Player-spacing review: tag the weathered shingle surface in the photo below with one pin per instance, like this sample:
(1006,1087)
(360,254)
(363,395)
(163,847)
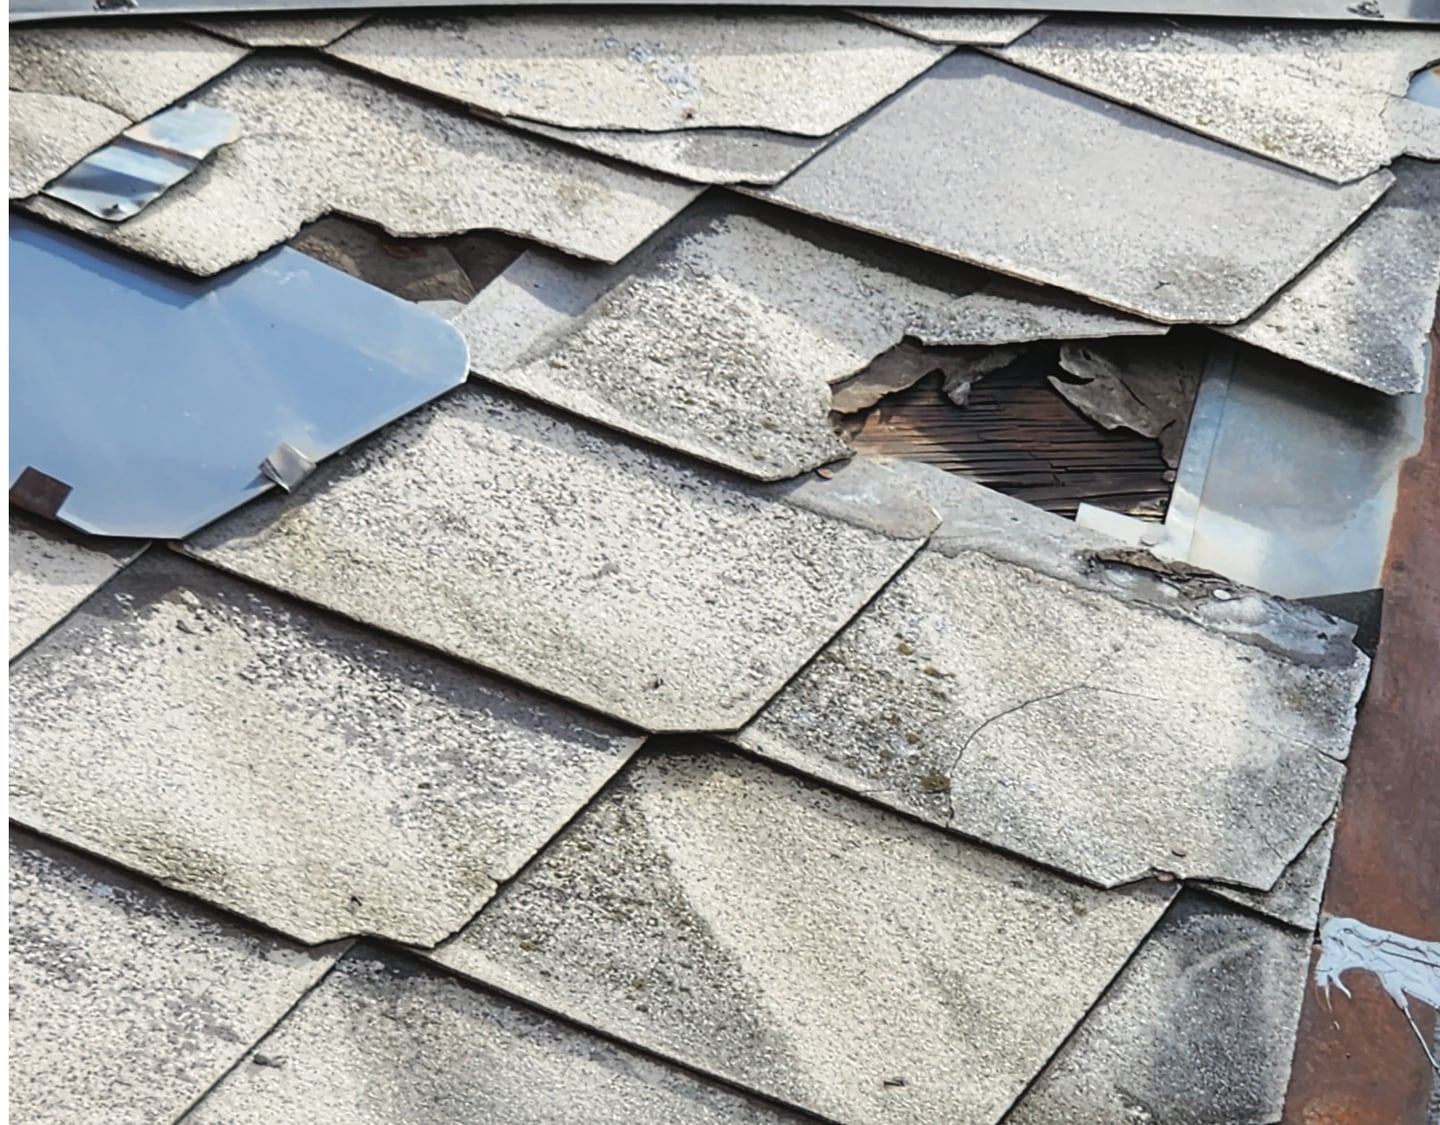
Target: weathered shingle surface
(671,763)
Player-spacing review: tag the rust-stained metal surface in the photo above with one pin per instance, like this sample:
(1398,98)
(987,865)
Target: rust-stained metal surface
(1018,436)
(1358,1062)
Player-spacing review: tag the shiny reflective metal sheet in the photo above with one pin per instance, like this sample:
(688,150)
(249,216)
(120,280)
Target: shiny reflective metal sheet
(156,397)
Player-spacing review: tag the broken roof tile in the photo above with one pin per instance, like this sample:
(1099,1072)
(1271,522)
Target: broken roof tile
(151,449)
(1076,728)
(804,944)
(974,29)
(707,156)
(133,71)
(51,132)
(800,73)
(416,269)
(128,1002)
(1200,1027)
(51,573)
(648,588)
(1329,102)
(385,1040)
(270,31)
(338,784)
(722,335)
(1295,898)
(1152,219)
(1364,309)
(421,170)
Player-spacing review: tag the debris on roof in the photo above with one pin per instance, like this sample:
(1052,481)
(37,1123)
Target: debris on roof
(131,1001)
(1329,103)
(158,448)
(426,171)
(51,132)
(137,167)
(1148,220)
(804,945)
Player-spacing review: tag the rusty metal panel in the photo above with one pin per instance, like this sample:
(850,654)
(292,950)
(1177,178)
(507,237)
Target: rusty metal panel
(1357,1061)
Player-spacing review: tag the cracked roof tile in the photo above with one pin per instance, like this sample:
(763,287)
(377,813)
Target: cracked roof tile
(1327,102)
(1076,728)
(1200,1027)
(385,1040)
(133,71)
(803,944)
(52,572)
(721,336)
(285,766)
(419,169)
(1295,898)
(1152,219)
(127,1002)
(1363,310)
(654,590)
(800,73)
(51,132)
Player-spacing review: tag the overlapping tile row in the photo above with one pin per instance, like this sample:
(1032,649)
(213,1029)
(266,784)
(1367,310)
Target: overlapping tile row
(722,336)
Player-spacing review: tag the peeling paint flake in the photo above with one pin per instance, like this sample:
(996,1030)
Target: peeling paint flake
(1407,968)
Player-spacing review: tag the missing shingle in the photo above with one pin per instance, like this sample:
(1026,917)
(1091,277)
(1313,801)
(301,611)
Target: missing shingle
(1016,435)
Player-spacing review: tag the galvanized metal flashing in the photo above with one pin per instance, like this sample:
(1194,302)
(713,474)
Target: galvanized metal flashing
(154,398)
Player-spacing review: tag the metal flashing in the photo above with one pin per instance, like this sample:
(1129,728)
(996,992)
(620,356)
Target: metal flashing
(156,442)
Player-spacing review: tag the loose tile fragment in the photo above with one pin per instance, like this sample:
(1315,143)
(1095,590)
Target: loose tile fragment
(123,177)
(267,31)
(384,1040)
(424,170)
(128,1002)
(51,572)
(907,363)
(132,71)
(1075,727)
(285,766)
(1152,219)
(649,588)
(1200,1027)
(707,156)
(50,132)
(1329,102)
(1296,897)
(803,944)
(1363,310)
(805,74)
(1140,385)
(722,335)
(282,350)
(971,29)
(418,270)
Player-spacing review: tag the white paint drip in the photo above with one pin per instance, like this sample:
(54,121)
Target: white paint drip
(1407,968)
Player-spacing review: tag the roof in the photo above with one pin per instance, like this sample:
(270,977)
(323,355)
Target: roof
(506,623)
